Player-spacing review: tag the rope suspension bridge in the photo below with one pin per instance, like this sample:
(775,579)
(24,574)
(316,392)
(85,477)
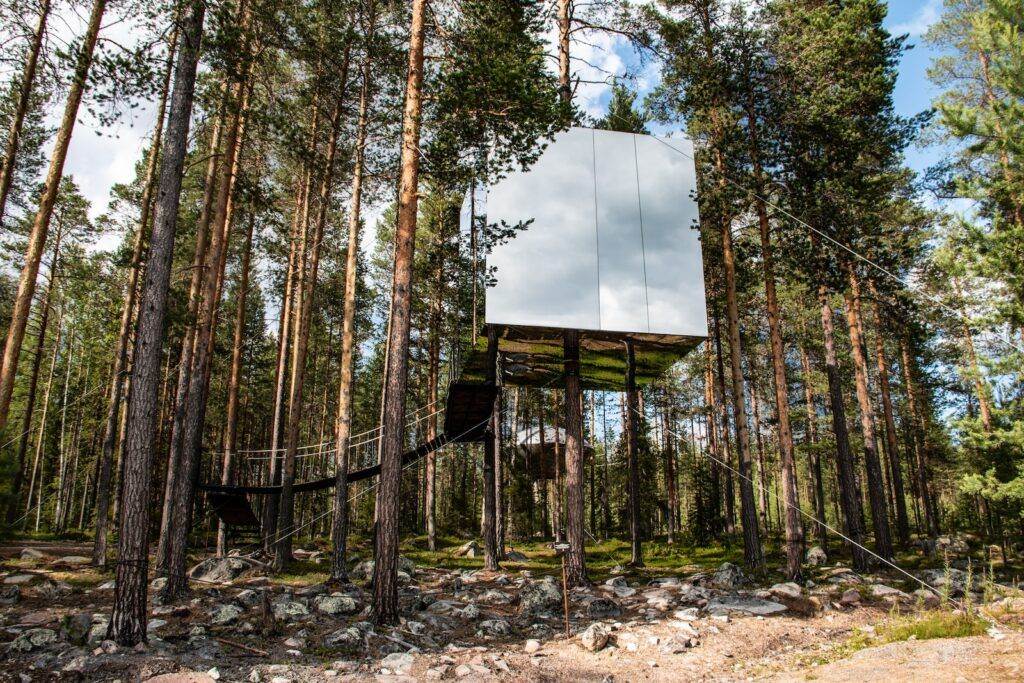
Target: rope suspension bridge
(467,411)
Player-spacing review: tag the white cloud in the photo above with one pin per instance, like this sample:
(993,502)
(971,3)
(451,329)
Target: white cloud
(917,25)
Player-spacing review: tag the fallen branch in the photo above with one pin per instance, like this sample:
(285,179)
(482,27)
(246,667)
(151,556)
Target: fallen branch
(243,646)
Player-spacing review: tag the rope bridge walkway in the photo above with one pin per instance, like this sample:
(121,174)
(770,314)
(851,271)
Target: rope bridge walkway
(466,412)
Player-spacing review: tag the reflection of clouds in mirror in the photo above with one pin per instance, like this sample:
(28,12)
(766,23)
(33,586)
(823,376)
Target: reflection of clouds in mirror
(611,246)
(547,275)
(675,276)
(619,234)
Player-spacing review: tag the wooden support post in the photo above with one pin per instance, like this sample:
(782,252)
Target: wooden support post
(490,453)
(576,562)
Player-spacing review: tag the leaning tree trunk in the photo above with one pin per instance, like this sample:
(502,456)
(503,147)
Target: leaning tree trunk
(876,484)
(128,620)
(103,478)
(385,583)
(28,77)
(33,382)
(848,498)
(206,322)
(188,339)
(41,224)
(575,558)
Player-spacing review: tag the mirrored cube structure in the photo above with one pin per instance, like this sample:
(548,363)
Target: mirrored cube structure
(602,239)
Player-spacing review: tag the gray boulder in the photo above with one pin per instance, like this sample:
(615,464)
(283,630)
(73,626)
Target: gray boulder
(540,597)
(33,639)
(364,570)
(619,587)
(75,627)
(31,554)
(496,627)
(816,556)
(516,556)
(595,637)
(288,610)
(220,569)
(603,608)
(225,614)
(347,639)
(744,604)
(336,604)
(729,576)
(10,595)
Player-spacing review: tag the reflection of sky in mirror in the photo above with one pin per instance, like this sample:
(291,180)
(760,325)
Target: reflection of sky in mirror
(547,274)
(610,246)
(675,276)
(619,235)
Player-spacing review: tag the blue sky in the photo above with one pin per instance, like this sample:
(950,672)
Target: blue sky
(914,92)
(98,161)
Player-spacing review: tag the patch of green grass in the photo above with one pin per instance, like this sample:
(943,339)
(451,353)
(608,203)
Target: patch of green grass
(302,573)
(922,626)
(935,624)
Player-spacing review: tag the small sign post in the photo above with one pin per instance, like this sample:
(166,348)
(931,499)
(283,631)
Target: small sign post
(561,549)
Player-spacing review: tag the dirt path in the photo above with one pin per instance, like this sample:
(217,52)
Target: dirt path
(952,660)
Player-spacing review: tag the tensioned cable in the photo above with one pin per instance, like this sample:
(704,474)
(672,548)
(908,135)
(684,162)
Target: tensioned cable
(367,489)
(838,533)
(882,269)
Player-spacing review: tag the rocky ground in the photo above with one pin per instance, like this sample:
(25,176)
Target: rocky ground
(238,624)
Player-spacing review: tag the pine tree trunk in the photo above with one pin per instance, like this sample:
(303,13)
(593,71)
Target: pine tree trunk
(872,465)
(343,422)
(892,447)
(28,78)
(117,375)
(920,434)
(632,415)
(385,584)
(305,310)
(128,619)
(848,498)
(188,339)
(33,381)
(670,470)
(234,379)
(491,445)
(41,224)
(752,553)
(818,493)
(787,459)
(575,558)
(284,335)
(206,319)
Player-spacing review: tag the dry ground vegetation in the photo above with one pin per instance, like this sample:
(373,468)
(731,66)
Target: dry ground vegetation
(690,615)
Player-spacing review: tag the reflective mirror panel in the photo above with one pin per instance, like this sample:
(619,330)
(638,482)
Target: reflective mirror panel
(675,274)
(607,247)
(620,242)
(547,274)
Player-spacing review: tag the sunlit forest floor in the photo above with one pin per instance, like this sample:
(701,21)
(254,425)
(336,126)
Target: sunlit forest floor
(690,614)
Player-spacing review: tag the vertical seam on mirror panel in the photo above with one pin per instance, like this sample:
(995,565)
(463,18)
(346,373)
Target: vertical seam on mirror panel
(643,246)
(597,231)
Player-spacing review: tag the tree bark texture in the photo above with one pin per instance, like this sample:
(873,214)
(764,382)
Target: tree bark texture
(128,620)
(385,584)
